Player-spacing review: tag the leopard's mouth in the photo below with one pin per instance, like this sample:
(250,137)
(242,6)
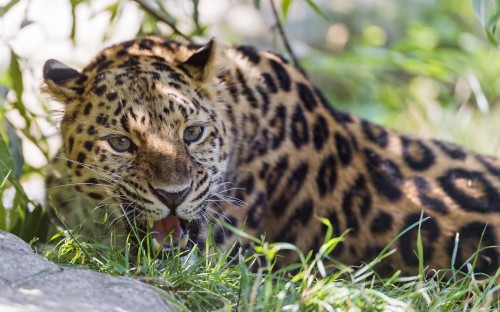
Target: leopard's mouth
(173,233)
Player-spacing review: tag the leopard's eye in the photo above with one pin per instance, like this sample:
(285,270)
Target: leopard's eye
(193,133)
(120,143)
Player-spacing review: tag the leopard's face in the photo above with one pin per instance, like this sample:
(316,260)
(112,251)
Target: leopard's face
(141,135)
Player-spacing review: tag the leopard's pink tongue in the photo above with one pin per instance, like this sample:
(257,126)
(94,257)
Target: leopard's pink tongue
(169,225)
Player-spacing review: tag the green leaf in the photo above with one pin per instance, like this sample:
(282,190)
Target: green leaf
(317,9)
(16,80)
(285,7)
(74,4)
(256,3)
(488,13)
(16,75)
(4,9)
(3,216)
(491,37)
(6,163)
(196,13)
(10,216)
(113,9)
(15,149)
(3,210)
(6,167)
(33,224)
(420,248)
(491,27)
(3,94)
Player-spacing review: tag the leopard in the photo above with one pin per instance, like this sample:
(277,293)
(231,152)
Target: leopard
(180,136)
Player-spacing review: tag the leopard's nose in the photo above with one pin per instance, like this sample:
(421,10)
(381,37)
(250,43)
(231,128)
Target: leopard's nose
(172,199)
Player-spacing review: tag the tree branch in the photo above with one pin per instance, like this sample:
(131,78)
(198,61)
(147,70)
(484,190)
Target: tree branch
(284,38)
(148,8)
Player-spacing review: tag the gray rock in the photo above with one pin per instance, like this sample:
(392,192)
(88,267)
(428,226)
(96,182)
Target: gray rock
(29,282)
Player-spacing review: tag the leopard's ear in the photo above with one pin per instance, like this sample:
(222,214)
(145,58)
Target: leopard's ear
(201,64)
(62,82)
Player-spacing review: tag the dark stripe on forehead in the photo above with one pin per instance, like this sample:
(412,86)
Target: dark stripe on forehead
(124,123)
(119,107)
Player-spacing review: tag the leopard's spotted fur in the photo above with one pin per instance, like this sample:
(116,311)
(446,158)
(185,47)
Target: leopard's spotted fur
(273,142)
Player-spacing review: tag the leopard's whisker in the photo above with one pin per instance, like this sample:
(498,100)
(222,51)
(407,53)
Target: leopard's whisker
(93,169)
(230,199)
(78,183)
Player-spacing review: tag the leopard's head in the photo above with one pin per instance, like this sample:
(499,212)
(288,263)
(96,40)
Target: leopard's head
(142,131)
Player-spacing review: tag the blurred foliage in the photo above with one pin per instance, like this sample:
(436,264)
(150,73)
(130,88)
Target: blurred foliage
(428,76)
(424,67)
(286,4)
(26,219)
(488,12)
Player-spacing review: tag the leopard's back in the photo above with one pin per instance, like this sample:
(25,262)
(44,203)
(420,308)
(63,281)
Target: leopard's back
(301,159)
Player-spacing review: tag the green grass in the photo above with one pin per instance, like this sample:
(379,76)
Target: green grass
(214,280)
(418,82)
